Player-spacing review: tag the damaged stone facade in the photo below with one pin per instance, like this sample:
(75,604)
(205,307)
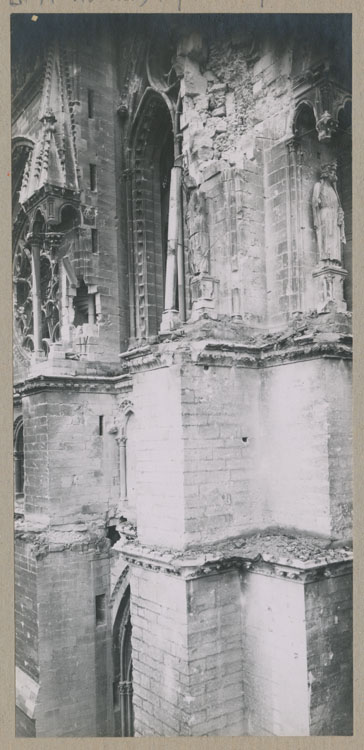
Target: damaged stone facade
(182,375)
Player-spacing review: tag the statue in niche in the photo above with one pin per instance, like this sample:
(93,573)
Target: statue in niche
(328,215)
(199,255)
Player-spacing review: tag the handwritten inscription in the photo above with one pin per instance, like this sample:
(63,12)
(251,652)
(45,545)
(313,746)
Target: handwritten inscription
(135,3)
(44,3)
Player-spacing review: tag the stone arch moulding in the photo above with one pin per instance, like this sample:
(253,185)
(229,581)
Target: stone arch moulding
(155,208)
(304,106)
(122,664)
(118,593)
(127,411)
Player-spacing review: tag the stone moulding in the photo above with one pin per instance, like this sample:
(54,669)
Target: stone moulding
(325,562)
(79,383)
(123,575)
(216,353)
(288,348)
(269,356)
(202,565)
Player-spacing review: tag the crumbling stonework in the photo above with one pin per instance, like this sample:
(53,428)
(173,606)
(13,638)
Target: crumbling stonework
(182,376)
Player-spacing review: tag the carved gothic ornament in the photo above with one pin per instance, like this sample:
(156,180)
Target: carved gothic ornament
(49,294)
(51,171)
(319,90)
(89,214)
(22,294)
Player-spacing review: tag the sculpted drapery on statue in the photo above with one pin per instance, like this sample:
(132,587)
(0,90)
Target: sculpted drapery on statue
(328,215)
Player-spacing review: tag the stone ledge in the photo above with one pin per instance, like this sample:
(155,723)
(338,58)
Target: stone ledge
(301,558)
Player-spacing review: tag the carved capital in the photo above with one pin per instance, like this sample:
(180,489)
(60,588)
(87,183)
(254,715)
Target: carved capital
(33,239)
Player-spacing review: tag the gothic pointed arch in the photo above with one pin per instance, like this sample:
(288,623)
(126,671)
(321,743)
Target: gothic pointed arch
(123,670)
(152,159)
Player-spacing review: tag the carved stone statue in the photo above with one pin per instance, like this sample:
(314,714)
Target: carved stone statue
(199,252)
(328,215)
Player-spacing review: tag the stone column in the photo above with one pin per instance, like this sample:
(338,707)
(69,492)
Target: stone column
(170,315)
(121,441)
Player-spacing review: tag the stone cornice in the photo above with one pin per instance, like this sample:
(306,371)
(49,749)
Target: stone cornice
(275,353)
(266,352)
(302,558)
(262,350)
(76,383)
(190,566)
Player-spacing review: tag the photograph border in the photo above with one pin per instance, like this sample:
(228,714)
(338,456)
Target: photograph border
(7,672)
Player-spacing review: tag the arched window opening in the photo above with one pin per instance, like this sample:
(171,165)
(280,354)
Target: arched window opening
(153,160)
(123,671)
(305,121)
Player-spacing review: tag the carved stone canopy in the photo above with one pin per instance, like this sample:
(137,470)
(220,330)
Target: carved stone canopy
(319,90)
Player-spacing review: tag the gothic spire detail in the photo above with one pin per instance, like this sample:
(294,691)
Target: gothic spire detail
(53,161)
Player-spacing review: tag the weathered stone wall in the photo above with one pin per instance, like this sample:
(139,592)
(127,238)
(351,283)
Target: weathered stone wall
(339,384)
(221,433)
(160,656)
(216,662)
(301,464)
(187,661)
(75,659)
(328,612)
(158,444)
(274,656)
(71,470)
(212,451)
(26,620)
(98,144)
(294,466)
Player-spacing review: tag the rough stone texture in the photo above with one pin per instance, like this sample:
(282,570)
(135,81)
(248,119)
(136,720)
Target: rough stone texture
(298,465)
(274,656)
(159,446)
(62,436)
(26,621)
(160,656)
(74,696)
(187,660)
(216,659)
(328,607)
